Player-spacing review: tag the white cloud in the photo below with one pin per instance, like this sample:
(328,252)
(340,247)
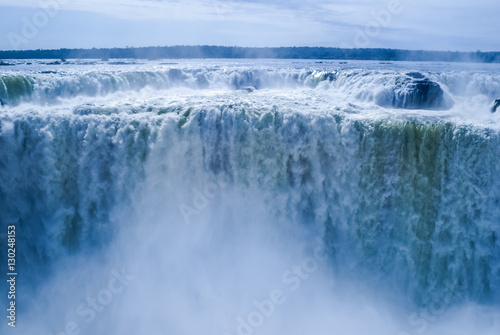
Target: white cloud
(422,24)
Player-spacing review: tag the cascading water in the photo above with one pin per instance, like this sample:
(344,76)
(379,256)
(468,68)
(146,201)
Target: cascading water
(183,176)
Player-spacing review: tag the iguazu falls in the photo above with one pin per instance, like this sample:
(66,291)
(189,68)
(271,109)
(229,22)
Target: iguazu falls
(252,197)
(249,167)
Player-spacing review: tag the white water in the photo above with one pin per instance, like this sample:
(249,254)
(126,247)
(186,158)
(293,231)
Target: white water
(209,195)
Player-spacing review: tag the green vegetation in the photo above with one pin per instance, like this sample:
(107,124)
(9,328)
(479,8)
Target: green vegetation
(177,52)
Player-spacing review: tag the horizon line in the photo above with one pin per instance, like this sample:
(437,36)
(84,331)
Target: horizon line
(247,47)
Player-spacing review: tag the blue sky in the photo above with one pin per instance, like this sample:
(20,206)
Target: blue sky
(407,24)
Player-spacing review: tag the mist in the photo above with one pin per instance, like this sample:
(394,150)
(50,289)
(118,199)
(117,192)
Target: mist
(249,167)
(234,269)
(163,209)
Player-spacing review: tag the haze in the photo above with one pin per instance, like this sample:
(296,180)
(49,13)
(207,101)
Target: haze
(430,25)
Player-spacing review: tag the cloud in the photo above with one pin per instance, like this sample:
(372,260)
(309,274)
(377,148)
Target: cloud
(425,24)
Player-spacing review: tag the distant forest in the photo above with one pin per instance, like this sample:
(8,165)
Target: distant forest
(240,52)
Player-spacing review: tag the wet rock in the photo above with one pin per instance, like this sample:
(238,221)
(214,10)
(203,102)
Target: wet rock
(495,105)
(329,76)
(415,75)
(249,89)
(413,91)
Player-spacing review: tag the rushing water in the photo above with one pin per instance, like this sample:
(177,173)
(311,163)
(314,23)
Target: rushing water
(215,185)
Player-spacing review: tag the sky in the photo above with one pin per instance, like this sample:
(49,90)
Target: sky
(458,25)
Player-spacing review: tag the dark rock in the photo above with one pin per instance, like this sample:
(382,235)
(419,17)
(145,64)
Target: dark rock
(495,105)
(3,102)
(413,92)
(249,89)
(85,109)
(415,75)
(328,76)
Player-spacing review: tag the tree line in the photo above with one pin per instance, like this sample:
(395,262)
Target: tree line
(177,52)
